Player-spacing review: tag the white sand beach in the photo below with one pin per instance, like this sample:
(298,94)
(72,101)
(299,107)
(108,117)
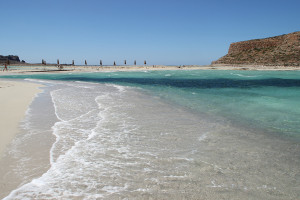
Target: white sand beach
(34,69)
(15,97)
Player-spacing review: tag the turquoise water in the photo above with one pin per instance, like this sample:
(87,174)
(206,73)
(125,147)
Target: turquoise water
(192,134)
(267,100)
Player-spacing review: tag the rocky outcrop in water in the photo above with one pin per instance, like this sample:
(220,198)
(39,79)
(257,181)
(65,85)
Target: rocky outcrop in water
(278,50)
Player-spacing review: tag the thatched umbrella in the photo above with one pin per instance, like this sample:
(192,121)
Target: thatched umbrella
(101,62)
(58,61)
(145,62)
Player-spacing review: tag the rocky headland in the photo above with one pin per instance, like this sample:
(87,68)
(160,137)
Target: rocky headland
(10,59)
(283,50)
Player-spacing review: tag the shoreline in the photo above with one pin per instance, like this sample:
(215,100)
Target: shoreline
(15,99)
(228,150)
(33,69)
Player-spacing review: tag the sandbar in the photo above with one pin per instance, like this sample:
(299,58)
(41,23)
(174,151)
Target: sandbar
(35,69)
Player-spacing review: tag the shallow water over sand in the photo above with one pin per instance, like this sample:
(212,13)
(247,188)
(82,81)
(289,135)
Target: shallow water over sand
(267,100)
(108,141)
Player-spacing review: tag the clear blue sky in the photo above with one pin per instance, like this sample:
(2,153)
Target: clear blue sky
(159,31)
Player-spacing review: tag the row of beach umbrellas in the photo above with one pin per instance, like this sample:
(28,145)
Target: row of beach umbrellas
(85,62)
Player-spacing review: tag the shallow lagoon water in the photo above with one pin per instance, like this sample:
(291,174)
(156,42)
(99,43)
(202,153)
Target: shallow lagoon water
(267,99)
(163,135)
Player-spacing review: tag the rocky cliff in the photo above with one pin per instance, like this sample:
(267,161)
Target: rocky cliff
(279,50)
(11,59)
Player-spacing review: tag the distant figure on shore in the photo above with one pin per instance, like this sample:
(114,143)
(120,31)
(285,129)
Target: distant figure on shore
(5,67)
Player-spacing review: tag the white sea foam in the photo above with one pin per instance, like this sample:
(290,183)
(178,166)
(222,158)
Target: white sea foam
(119,87)
(40,81)
(202,137)
(241,75)
(214,185)
(76,138)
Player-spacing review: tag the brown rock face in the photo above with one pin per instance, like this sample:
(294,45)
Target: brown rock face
(279,50)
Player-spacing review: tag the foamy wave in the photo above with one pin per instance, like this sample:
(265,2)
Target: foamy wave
(241,75)
(39,81)
(119,87)
(83,139)
(202,137)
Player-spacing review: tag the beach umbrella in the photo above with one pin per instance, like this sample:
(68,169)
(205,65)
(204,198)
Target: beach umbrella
(58,61)
(101,62)
(85,62)
(125,62)
(145,62)
(134,62)
(114,63)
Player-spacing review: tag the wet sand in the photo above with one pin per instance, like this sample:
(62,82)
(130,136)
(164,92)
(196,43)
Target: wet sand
(15,97)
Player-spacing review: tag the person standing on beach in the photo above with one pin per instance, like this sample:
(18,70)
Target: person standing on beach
(5,67)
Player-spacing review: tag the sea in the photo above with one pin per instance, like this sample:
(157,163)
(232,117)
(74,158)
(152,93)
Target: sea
(182,134)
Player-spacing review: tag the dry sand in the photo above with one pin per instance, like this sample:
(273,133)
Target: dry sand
(33,69)
(15,97)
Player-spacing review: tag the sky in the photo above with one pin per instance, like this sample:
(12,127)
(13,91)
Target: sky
(168,32)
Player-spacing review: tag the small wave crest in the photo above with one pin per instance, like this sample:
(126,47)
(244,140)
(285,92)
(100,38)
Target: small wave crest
(241,75)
